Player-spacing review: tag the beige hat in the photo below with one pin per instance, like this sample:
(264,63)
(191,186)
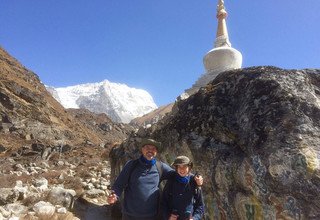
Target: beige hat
(182,160)
(148,141)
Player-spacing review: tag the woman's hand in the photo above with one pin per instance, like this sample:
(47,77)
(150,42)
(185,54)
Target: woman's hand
(112,198)
(198,179)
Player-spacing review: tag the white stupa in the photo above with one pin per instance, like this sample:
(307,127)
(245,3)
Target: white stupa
(221,58)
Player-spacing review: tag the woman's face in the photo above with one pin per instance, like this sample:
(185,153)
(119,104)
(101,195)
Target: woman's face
(183,170)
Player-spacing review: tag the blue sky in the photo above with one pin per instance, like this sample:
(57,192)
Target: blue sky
(156,45)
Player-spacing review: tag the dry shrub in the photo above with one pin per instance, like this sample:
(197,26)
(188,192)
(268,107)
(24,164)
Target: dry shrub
(52,176)
(105,154)
(34,198)
(83,172)
(28,217)
(73,183)
(8,180)
(57,216)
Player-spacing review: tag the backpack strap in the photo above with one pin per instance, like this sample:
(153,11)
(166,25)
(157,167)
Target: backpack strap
(133,166)
(160,169)
(194,187)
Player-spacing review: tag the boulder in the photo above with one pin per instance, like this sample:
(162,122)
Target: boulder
(61,196)
(44,208)
(254,135)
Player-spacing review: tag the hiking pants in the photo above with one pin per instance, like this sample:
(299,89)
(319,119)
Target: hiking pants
(128,217)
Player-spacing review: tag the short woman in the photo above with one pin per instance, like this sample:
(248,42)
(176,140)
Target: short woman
(182,198)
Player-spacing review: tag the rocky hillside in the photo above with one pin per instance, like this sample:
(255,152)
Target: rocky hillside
(254,135)
(52,160)
(29,114)
(102,126)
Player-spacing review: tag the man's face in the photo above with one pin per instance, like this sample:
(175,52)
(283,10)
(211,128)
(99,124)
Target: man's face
(149,151)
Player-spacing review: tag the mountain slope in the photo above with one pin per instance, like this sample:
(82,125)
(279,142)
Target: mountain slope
(30,114)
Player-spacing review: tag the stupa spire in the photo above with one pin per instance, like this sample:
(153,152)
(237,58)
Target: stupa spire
(221,57)
(222,37)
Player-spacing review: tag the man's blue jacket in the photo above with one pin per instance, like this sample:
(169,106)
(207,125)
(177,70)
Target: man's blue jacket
(141,188)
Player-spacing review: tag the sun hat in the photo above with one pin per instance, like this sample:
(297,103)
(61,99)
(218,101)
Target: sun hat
(148,141)
(182,160)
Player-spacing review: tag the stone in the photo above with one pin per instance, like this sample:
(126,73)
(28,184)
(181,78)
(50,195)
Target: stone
(61,196)
(41,184)
(4,213)
(62,210)
(16,209)
(22,190)
(8,195)
(2,148)
(94,193)
(44,208)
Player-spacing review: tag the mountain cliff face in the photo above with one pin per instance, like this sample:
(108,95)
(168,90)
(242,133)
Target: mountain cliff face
(30,114)
(254,135)
(120,102)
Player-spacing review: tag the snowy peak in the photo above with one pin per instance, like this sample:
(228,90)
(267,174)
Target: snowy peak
(120,102)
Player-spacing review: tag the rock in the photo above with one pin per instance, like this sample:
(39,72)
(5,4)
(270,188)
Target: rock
(61,196)
(16,209)
(94,193)
(254,135)
(18,167)
(41,184)
(62,210)
(8,195)
(22,190)
(44,208)
(2,148)
(4,213)
(37,147)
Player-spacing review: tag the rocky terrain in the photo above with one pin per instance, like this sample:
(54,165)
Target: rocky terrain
(254,135)
(53,160)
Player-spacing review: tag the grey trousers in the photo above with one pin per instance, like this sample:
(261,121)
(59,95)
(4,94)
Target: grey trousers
(128,217)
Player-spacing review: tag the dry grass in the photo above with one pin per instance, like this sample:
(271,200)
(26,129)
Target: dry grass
(35,198)
(52,176)
(9,180)
(55,216)
(73,183)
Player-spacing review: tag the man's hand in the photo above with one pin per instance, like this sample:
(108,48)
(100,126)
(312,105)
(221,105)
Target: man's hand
(198,179)
(112,198)
(173,217)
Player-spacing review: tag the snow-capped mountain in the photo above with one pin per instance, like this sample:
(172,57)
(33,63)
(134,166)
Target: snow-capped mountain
(120,102)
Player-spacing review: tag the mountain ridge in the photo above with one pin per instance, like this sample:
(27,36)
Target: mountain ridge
(120,102)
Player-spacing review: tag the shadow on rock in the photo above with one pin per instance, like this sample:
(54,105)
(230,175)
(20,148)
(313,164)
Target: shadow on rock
(86,210)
